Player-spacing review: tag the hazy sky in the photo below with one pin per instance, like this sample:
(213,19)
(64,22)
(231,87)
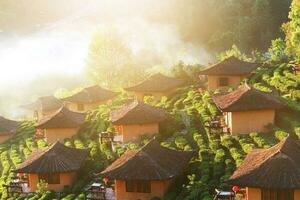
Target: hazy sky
(53,40)
(61,45)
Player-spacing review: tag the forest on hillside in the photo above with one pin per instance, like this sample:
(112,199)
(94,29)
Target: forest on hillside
(261,31)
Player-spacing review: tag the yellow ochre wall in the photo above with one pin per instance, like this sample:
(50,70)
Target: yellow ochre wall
(255,194)
(297,194)
(54,134)
(134,132)
(87,106)
(157,95)
(158,189)
(249,121)
(5,136)
(65,180)
(233,81)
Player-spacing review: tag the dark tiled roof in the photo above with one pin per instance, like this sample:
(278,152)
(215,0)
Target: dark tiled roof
(8,126)
(151,162)
(246,98)
(92,94)
(157,83)
(231,66)
(63,118)
(54,159)
(137,113)
(277,167)
(45,103)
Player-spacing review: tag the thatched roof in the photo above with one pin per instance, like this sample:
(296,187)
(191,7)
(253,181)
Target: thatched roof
(275,168)
(92,94)
(137,113)
(63,118)
(54,159)
(246,98)
(8,126)
(151,162)
(157,83)
(44,103)
(230,66)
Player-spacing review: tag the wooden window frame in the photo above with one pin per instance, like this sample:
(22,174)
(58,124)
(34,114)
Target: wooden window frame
(50,178)
(269,194)
(138,186)
(129,186)
(223,81)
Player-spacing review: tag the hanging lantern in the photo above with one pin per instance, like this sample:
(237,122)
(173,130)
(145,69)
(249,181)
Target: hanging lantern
(105,180)
(235,189)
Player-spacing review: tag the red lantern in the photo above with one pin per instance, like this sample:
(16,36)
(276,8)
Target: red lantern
(105,180)
(235,189)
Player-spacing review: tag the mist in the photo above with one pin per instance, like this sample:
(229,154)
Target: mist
(52,43)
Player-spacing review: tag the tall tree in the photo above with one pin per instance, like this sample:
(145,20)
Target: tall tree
(292,30)
(111,62)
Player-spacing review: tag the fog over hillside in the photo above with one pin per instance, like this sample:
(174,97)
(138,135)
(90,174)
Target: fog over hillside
(42,38)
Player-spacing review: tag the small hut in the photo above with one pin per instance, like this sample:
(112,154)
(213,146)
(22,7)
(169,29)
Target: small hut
(157,85)
(7,128)
(146,172)
(135,120)
(247,110)
(272,173)
(58,165)
(60,125)
(88,98)
(228,73)
(43,106)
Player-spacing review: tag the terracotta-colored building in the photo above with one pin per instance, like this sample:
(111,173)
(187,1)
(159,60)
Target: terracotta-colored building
(135,120)
(228,73)
(247,110)
(271,174)
(58,165)
(146,172)
(157,85)
(43,106)
(88,98)
(60,125)
(8,128)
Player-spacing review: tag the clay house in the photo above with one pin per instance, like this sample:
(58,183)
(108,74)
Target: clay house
(88,98)
(8,128)
(60,125)
(247,110)
(157,85)
(58,165)
(269,174)
(43,106)
(228,73)
(146,172)
(136,119)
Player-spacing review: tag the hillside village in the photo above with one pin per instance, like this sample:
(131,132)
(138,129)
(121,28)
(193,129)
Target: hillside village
(226,131)
(164,138)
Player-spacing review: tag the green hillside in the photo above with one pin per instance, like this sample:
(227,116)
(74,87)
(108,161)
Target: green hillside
(188,112)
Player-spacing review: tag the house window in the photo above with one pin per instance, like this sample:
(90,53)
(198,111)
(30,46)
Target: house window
(223,81)
(143,186)
(268,194)
(80,107)
(138,186)
(50,178)
(130,186)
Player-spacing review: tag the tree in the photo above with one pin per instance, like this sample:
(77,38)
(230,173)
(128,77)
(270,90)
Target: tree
(110,61)
(292,30)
